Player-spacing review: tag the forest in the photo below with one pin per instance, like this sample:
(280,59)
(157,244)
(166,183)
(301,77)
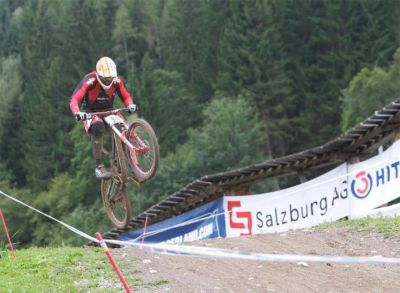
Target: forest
(224,83)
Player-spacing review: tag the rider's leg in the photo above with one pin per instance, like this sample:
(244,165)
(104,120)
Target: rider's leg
(97,131)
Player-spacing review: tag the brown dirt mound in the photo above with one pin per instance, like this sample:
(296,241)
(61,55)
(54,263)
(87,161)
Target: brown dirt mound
(164,273)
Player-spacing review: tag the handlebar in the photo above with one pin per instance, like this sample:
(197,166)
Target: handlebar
(105,113)
(90,115)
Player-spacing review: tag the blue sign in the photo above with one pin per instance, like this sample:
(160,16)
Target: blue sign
(204,222)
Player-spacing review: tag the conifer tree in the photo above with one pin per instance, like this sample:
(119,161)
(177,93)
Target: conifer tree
(190,38)
(251,64)
(129,34)
(162,96)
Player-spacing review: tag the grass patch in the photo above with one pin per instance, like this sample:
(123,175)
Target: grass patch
(388,227)
(66,269)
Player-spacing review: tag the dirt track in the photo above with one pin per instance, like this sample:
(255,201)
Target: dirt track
(166,273)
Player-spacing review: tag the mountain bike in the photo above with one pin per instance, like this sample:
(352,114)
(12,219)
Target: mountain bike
(135,145)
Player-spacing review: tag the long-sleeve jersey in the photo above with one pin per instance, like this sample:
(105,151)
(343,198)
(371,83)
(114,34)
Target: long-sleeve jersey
(91,95)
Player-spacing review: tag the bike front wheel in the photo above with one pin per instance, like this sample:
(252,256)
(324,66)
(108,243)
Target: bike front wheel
(116,202)
(145,155)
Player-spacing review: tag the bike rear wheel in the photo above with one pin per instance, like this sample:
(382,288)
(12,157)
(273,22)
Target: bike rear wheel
(113,190)
(116,202)
(144,158)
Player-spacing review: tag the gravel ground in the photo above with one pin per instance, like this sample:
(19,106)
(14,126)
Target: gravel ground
(166,273)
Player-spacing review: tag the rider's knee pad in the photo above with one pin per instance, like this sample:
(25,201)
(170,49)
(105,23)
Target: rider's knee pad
(97,129)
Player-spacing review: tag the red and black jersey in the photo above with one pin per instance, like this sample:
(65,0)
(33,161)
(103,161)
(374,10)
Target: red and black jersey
(91,95)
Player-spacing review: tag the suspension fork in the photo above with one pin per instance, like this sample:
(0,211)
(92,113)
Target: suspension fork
(123,138)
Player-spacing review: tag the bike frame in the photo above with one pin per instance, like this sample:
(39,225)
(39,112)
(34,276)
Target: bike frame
(121,135)
(114,190)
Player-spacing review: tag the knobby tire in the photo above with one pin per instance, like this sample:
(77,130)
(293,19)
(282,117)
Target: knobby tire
(114,191)
(143,165)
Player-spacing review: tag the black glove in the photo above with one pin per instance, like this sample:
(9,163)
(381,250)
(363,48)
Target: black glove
(80,116)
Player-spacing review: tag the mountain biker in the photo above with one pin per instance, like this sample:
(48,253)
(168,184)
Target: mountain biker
(96,92)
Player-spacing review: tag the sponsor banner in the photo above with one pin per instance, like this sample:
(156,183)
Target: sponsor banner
(374,182)
(390,211)
(201,223)
(322,199)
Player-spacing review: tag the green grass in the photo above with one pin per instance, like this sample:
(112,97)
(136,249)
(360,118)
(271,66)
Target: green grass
(65,269)
(388,227)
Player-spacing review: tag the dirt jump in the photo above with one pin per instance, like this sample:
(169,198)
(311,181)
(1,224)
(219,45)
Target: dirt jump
(166,273)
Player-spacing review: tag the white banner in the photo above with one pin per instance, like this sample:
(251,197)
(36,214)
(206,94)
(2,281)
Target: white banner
(374,182)
(322,199)
(390,211)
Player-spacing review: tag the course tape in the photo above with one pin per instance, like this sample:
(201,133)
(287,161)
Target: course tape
(187,250)
(76,231)
(237,254)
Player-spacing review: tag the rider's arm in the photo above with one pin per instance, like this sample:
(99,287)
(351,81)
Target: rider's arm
(79,93)
(123,92)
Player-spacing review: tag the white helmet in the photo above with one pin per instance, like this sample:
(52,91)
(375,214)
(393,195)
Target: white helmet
(106,72)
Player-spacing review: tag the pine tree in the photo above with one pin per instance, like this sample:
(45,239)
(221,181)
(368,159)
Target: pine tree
(129,34)
(10,100)
(5,19)
(251,64)
(190,38)
(161,95)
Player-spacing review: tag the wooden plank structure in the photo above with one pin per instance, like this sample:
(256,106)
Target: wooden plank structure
(356,144)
